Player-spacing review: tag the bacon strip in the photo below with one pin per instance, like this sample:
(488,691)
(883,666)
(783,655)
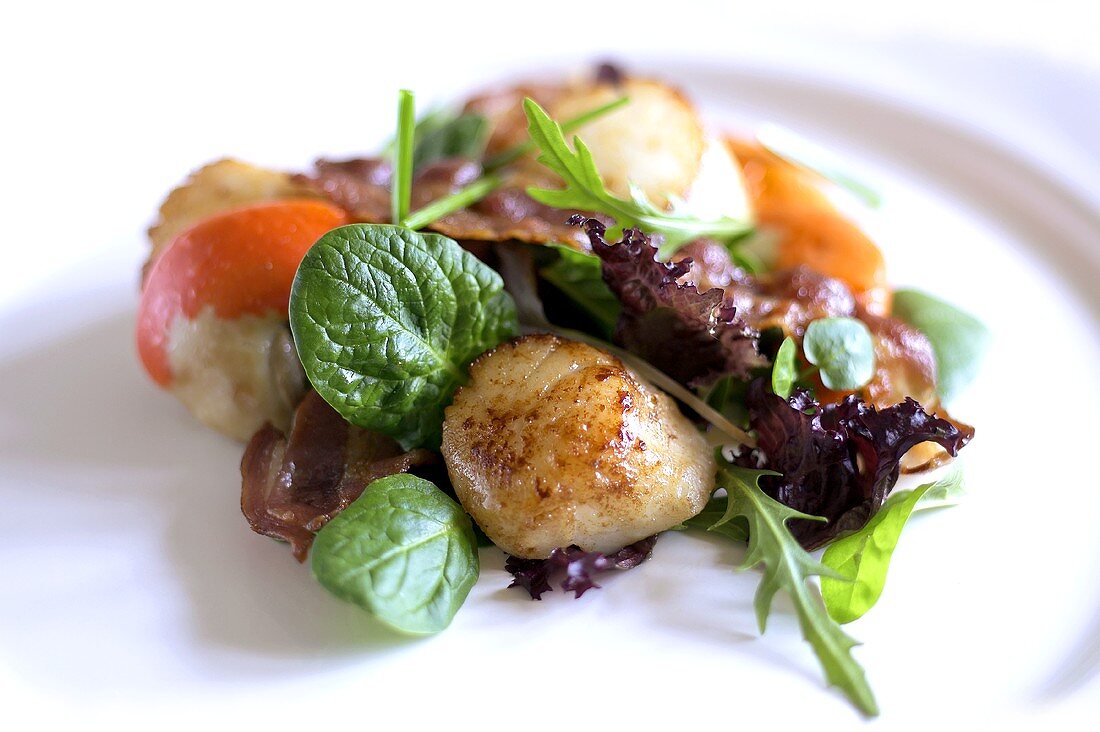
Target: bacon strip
(292,486)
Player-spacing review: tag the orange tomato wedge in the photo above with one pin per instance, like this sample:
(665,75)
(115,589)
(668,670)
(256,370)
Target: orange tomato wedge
(238,262)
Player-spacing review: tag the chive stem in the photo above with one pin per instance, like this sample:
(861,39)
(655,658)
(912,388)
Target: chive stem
(460,199)
(403,158)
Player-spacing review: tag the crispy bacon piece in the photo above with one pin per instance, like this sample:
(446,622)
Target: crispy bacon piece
(362,187)
(293,485)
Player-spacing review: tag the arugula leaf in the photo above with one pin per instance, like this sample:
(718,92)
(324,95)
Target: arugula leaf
(958,339)
(843,350)
(464,136)
(578,275)
(787,566)
(584,190)
(784,370)
(403,551)
(516,152)
(386,320)
(863,558)
(403,156)
(710,519)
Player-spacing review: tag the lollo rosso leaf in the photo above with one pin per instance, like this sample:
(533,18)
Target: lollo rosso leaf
(839,461)
(863,558)
(788,567)
(387,319)
(958,339)
(576,567)
(842,348)
(694,337)
(404,551)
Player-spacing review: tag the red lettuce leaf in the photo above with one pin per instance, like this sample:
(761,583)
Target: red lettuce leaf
(578,567)
(694,337)
(839,461)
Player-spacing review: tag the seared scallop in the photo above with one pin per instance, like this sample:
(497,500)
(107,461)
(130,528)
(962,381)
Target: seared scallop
(554,443)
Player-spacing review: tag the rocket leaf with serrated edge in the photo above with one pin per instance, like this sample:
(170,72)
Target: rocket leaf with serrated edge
(788,566)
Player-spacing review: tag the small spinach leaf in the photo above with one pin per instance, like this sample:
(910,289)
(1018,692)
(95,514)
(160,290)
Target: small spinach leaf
(404,551)
(464,136)
(387,319)
(578,276)
(843,350)
(863,558)
(785,370)
(958,339)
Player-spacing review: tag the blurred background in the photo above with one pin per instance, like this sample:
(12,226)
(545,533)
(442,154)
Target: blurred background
(108,104)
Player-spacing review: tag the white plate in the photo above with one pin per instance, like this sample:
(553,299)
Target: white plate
(133,590)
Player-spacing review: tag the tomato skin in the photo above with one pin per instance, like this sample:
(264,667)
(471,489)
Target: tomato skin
(239,262)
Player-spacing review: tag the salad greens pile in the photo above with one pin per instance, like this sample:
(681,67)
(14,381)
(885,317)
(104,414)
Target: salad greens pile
(386,321)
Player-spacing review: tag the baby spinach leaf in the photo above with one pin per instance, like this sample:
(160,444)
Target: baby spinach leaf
(578,275)
(403,551)
(787,566)
(785,370)
(863,558)
(843,350)
(958,339)
(464,136)
(386,320)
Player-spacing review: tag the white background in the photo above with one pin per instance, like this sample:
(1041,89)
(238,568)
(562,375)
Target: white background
(107,105)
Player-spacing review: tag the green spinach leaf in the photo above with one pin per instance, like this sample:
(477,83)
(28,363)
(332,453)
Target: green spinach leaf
(958,339)
(464,136)
(863,558)
(578,276)
(843,350)
(785,369)
(787,566)
(404,551)
(386,320)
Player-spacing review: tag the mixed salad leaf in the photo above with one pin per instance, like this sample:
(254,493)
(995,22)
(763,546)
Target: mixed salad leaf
(843,351)
(694,337)
(958,339)
(576,567)
(837,461)
(386,320)
(788,567)
(404,551)
(585,191)
(861,559)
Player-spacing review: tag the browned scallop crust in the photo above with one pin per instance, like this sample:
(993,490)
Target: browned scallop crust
(554,443)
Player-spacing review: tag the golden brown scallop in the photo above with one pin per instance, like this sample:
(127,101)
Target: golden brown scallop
(554,443)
